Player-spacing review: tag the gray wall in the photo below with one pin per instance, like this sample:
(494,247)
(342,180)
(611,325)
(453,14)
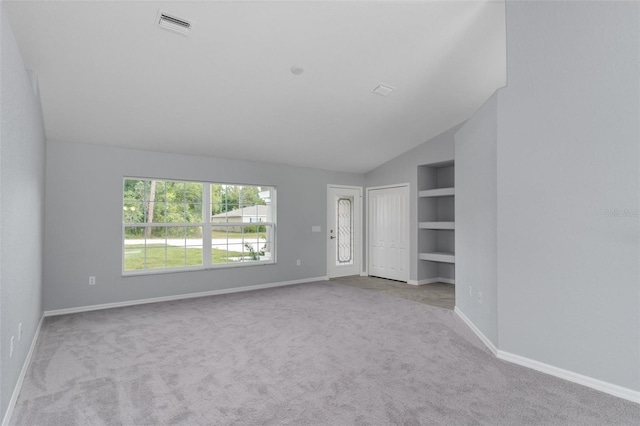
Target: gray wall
(548,192)
(22,152)
(84,223)
(476,219)
(568,155)
(403,169)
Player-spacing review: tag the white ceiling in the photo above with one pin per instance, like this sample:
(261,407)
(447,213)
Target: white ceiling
(109,76)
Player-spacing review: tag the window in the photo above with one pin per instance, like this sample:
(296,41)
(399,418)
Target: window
(177,225)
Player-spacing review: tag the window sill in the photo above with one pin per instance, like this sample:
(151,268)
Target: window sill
(137,273)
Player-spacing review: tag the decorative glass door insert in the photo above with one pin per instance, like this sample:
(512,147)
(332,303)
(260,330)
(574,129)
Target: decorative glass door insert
(344,227)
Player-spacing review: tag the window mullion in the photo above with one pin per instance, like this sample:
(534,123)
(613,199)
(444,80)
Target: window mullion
(206,231)
(145,256)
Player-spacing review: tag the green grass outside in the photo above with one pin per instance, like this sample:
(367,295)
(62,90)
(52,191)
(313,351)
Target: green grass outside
(134,257)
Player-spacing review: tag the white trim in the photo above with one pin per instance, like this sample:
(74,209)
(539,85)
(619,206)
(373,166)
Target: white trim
(331,185)
(397,185)
(23,373)
(161,271)
(364,274)
(206,225)
(488,343)
(432,280)
(602,386)
(611,389)
(179,297)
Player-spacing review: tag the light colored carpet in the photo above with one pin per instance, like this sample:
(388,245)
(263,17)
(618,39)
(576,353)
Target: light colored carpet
(311,354)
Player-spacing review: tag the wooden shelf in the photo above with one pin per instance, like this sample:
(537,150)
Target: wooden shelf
(436,225)
(439,192)
(438,257)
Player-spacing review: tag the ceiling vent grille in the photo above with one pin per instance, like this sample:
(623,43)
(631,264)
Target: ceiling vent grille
(173,23)
(382,90)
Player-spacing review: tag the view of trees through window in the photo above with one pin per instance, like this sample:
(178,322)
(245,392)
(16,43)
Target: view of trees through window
(175,224)
(151,201)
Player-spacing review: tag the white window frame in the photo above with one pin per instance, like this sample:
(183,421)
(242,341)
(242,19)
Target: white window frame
(207,224)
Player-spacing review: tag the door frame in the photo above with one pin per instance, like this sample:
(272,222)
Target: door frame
(408,219)
(357,225)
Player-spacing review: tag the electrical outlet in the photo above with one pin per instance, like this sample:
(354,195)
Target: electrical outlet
(19,332)
(298,262)
(92,280)
(470,291)
(11,348)
(480,297)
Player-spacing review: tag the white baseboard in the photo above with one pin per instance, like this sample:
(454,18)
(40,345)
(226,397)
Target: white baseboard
(488,343)
(611,389)
(179,297)
(23,373)
(431,281)
(602,386)
(364,274)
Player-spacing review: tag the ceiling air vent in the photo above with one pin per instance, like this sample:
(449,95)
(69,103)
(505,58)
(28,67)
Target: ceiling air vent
(382,90)
(173,23)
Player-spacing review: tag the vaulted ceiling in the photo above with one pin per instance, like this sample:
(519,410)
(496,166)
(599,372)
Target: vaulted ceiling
(109,75)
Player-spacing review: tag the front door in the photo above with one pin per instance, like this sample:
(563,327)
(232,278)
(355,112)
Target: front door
(344,243)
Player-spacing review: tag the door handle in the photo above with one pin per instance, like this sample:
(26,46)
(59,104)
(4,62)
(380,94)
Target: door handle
(332,237)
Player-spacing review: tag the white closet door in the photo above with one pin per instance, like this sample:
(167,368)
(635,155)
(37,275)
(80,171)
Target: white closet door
(388,239)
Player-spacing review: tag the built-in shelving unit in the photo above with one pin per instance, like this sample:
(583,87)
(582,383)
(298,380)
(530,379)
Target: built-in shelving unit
(438,257)
(438,192)
(436,223)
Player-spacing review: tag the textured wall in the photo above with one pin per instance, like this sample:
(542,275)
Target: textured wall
(84,223)
(22,151)
(568,157)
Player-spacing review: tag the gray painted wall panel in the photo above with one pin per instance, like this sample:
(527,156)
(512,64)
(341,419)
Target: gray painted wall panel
(476,219)
(84,223)
(568,156)
(22,152)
